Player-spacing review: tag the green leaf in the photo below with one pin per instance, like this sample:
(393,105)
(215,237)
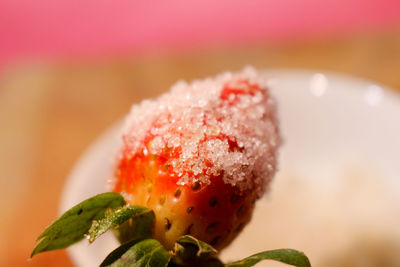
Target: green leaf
(288,256)
(202,248)
(118,252)
(193,252)
(144,253)
(140,227)
(76,222)
(143,215)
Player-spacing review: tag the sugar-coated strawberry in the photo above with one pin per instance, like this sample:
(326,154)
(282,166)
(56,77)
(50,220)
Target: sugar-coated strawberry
(200,156)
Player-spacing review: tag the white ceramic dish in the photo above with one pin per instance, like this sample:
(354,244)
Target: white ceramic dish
(338,179)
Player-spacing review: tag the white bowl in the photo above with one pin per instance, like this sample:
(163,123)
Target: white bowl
(339,172)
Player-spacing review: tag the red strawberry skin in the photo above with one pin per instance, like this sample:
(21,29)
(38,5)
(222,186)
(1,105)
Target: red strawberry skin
(200,159)
(214,213)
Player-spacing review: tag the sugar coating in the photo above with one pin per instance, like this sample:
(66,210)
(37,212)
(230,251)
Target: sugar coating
(195,120)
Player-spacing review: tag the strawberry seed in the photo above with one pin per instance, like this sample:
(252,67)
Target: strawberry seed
(212,227)
(213,202)
(177,192)
(189,210)
(187,232)
(215,240)
(149,187)
(196,185)
(167,224)
(162,200)
(239,227)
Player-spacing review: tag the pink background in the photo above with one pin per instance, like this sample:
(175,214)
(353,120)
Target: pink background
(48,28)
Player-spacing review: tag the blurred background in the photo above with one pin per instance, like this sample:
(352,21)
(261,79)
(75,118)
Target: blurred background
(69,69)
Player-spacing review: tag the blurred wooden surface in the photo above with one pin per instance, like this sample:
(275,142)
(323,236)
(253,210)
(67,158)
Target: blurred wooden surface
(50,112)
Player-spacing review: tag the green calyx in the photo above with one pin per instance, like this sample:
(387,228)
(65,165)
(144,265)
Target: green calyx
(133,225)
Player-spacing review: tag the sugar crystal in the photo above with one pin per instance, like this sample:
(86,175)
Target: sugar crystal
(225,126)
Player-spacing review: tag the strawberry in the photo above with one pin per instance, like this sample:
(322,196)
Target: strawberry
(192,165)
(200,156)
